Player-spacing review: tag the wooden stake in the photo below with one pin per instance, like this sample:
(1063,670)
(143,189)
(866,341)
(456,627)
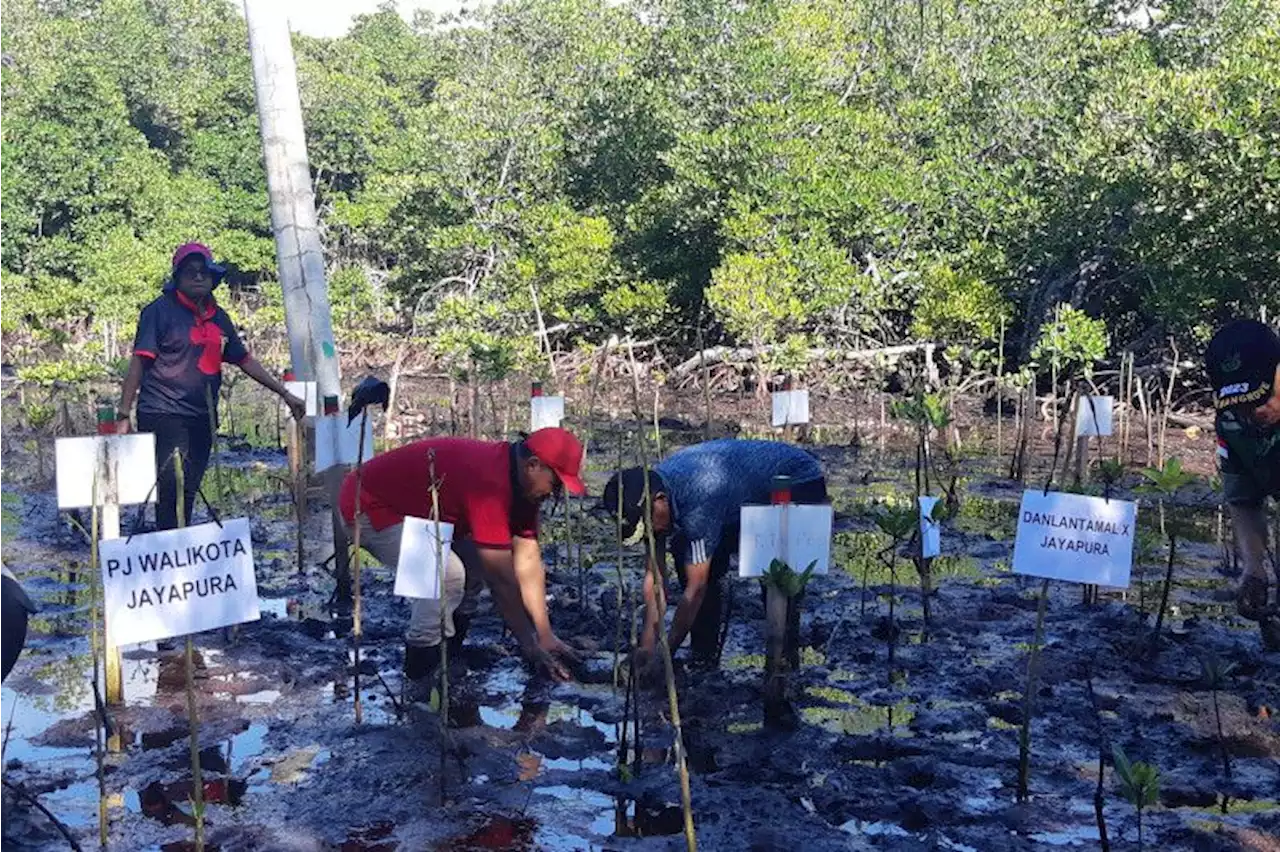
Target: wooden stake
(1000,394)
(298,476)
(110,529)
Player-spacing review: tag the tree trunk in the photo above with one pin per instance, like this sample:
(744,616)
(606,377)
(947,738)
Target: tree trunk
(299,253)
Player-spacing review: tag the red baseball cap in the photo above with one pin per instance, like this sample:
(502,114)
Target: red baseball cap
(186,250)
(562,452)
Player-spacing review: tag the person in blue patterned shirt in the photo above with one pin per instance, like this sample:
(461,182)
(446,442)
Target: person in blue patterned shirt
(696,496)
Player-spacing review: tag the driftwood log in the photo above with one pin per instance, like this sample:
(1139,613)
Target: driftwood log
(728,354)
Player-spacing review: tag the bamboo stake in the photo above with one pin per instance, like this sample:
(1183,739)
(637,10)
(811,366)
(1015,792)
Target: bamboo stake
(99,722)
(193,710)
(617,632)
(706,376)
(673,699)
(1168,400)
(444,614)
(357,627)
(1000,394)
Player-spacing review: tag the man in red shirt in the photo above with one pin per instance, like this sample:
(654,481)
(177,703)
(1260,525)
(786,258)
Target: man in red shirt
(491,492)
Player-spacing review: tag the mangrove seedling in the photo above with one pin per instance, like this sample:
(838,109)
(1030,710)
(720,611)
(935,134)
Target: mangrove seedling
(1109,472)
(899,523)
(1028,699)
(1098,793)
(1215,674)
(1139,784)
(1164,483)
(784,589)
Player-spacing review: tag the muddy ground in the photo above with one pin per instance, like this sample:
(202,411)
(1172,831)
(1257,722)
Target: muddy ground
(919,755)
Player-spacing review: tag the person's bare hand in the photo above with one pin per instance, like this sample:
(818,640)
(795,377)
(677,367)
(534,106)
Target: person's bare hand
(553,645)
(123,426)
(297,407)
(544,662)
(648,665)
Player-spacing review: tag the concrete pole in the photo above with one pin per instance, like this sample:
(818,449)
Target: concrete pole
(299,254)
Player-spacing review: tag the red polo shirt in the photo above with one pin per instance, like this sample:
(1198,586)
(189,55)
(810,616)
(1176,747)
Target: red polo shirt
(477,491)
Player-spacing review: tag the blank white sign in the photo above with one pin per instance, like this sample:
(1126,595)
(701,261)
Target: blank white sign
(347,436)
(930,530)
(1075,538)
(790,408)
(422,543)
(125,466)
(177,582)
(808,538)
(545,412)
(1093,416)
(305,391)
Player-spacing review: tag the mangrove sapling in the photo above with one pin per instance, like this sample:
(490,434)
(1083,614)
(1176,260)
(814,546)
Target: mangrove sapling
(1028,698)
(1098,793)
(1165,483)
(784,591)
(193,709)
(899,523)
(1215,675)
(1139,785)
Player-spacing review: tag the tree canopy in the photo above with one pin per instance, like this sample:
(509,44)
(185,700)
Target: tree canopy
(838,172)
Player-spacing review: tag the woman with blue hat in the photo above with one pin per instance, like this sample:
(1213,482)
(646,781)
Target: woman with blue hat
(183,339)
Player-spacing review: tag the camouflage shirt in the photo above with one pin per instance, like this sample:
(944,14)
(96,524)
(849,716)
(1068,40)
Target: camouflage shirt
(1248,450)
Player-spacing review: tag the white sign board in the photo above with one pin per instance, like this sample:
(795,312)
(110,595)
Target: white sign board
(790,408)
(422,543)
(177,582)
(125,466)
(545,412)
(1093,416)
(347,436)
(798,535)
(305,391)
(1076,538)
(930,530)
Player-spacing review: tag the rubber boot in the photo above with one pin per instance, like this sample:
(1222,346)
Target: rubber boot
(1270,628)
(461,624)
(421,661)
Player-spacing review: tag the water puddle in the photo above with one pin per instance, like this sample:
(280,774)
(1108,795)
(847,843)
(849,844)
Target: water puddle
(605,815)
(1081,836)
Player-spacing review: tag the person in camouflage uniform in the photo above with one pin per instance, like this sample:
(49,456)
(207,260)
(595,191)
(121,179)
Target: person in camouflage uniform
(1243,363)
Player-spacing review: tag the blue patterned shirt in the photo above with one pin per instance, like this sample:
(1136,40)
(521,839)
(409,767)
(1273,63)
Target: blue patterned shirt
(707,485)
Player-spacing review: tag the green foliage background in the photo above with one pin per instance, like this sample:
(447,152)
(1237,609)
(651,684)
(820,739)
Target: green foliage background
(803,172)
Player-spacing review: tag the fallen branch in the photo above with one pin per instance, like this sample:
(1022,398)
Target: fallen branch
(30,798)
(723,354)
